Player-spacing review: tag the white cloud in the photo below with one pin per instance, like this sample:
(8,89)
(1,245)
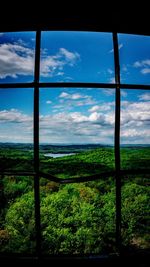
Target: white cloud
(53,65)
(137,64)
(145,97)
(14,116)
(130,133)
(60,73)
(78,117)
(144,65)
(109,92)
(145,71)
(102,107)
(15,126)
(76,99)
(71,57)
(76,127)
(75,96)
(135,121)
(88,101)
(64,95)
(94,125)
(48,102)
(96,117)
(18,59)
(94,108)
(120,46)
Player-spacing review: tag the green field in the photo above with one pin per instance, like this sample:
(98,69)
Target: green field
(76,218)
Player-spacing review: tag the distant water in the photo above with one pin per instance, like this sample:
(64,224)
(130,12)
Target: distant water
(58,155)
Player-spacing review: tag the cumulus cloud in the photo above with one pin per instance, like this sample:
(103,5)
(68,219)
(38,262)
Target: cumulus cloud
(18,59)
(14,116)
(135,121)
(136,111)
(15,126)
(102,107)
(76,127)
(92,125)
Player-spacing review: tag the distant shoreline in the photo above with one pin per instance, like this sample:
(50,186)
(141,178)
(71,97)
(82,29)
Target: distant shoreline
(71,145)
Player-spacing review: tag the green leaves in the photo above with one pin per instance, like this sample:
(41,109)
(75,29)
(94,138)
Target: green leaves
(78,219)
(135,212)
(20,224)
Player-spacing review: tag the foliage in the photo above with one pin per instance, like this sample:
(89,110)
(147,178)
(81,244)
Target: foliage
(20,224)
(75,218)
(135,212)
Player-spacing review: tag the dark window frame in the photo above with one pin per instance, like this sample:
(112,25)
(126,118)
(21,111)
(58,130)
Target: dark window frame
(117,173)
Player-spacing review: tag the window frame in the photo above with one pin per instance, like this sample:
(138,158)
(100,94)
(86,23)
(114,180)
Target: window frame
(117,173)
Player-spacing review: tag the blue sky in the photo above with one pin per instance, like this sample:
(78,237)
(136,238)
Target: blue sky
(74,115)
(77,57)
(134,59)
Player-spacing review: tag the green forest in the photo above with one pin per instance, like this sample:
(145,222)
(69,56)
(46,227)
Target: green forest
(76,218)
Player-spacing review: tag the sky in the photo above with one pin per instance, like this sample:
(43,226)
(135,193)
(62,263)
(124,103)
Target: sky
(74,115)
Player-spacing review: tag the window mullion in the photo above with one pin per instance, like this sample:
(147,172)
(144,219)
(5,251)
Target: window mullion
(36,143)
(117,142)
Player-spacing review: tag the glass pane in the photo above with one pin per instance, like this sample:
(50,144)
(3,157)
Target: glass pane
(76,131)
(135,213)
(17,51)
(77,57)
(16,129)
(78,218)
(134,53)
(17,225)
(135,129)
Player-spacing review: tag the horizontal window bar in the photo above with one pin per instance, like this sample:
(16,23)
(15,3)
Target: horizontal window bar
(135,86)
(16,85)
(74,85)
(137,171)
(77,180)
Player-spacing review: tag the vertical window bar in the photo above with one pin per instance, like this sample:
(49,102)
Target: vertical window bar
(36,143)
(117,142)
